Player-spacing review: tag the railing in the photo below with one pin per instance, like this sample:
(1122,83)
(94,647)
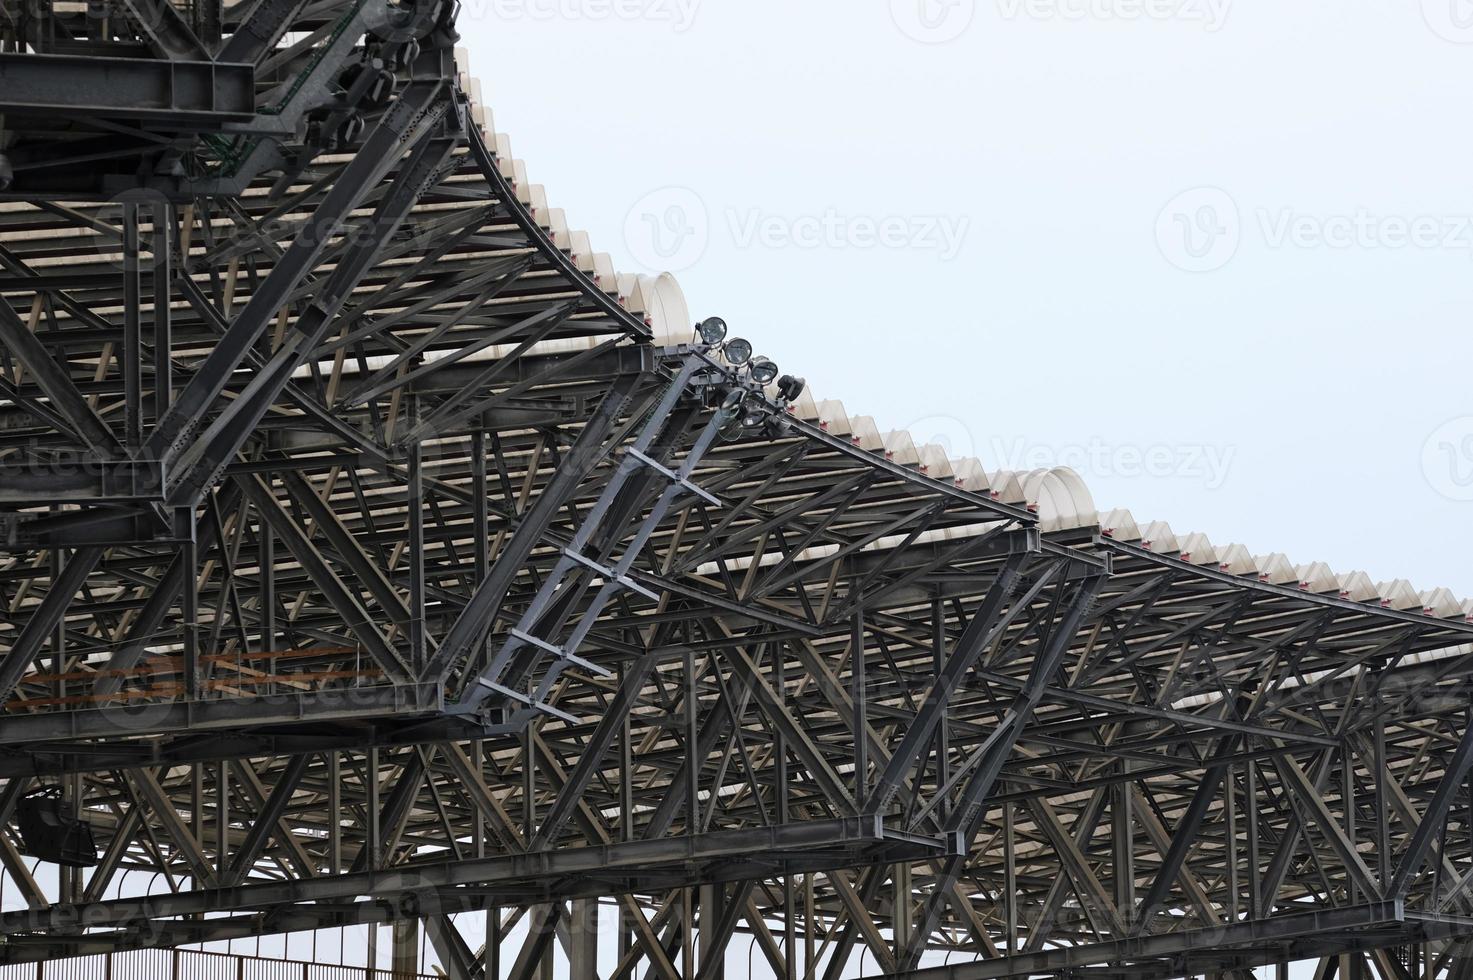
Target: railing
(184,964)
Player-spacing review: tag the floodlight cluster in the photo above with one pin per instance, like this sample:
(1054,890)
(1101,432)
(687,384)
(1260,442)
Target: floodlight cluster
(746,399)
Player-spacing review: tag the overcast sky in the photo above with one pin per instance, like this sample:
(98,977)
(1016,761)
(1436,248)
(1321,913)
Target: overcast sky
(1216,255)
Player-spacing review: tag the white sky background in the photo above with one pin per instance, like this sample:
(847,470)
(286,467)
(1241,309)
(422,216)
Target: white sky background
(1292,376)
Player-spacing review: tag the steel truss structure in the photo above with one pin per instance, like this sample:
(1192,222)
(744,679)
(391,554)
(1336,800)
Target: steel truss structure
(366,560)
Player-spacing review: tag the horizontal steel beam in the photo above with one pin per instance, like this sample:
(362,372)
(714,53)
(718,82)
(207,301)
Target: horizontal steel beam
(554,868)
(1258,943)
(126,720)
(81,481)
(171,94)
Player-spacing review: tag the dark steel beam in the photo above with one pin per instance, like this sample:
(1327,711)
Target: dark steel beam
(175,95)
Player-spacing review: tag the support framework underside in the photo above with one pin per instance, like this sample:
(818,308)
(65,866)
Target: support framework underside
(363,559)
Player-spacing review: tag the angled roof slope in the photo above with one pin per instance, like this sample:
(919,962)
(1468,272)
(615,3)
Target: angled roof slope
(1058,496)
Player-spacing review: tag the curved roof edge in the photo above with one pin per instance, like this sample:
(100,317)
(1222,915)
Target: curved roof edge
(1058,496)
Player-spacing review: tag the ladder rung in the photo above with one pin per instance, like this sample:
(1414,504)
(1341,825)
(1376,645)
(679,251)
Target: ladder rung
(608,575)
(538,642)
(521,698)
(674,477)
(587,562)
(634,586)
(587,665)
(561,654)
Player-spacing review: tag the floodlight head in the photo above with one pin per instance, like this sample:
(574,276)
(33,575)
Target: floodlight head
(732,403)
(732,429)
(754,412)
(737,351)
(764,372)
(712,331)
(792,388)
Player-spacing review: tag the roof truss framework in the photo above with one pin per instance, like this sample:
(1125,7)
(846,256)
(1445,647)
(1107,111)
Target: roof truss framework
(366,560)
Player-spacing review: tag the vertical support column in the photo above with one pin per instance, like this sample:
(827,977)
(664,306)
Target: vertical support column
(1383,834)
(418,655)
(626,769)
(861,715)
(1122,827)
(131,354)
(900,908)
(1347,800)
(70,883)
(479,827)
(790,930)
(208,19)
(335,812)
(688,967)
(222,817)
(59,561)
(1250,807)
(163,331)
(547,965)
(810,929)
(493,943)
(779,743)
(712,905)
(943,737)
(268,588)
(197,804)
(626,815)
(529,784)
(692,747)
(583,951)
(1468,791)
(373,843)
(481,517)
(184,528)
(1229,802)
(406,948)
(1009,879)
(626,933)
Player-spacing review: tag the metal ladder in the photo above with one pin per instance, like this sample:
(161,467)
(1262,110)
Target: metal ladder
(538,636)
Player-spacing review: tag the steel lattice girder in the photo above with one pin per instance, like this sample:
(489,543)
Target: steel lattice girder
(390,401)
